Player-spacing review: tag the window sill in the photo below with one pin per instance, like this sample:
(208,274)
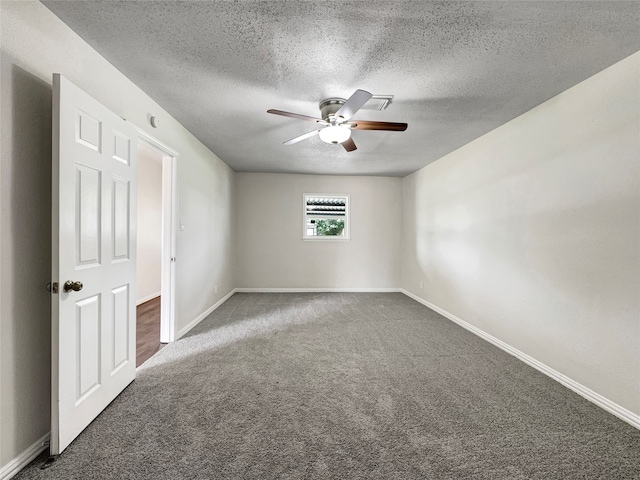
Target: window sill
(326,239)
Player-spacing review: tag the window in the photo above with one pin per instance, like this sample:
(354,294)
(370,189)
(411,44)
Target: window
(326,217)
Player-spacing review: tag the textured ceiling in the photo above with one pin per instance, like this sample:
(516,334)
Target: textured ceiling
(456,69)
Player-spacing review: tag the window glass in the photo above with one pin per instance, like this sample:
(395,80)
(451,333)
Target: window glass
(326,217)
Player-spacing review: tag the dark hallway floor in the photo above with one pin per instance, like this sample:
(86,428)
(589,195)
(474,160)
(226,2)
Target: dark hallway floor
(147,330)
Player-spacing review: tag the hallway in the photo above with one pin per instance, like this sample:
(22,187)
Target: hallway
(148,330)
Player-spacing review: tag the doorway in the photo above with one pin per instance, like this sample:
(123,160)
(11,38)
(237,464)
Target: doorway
(155,247)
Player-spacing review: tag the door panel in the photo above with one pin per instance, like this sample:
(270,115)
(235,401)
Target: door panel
(121,148)
(88,215)
(121,221)
(88,346)
(94,218)
(88,131)
(120,327)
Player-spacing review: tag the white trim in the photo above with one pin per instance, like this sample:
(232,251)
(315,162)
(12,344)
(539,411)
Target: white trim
(169,222)
(168,266)
(14,466)
(316,290)
(323,238)
(203,315)
(585,392)
(147,298)
(164,149)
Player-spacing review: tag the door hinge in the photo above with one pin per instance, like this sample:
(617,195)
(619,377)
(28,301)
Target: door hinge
(52,287)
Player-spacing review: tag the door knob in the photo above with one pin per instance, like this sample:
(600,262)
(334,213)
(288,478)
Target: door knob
(75,286)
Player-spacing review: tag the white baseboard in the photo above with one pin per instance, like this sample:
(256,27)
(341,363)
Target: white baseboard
(147,298)
(585,392)
(317,290)
(203,315)
(14,466)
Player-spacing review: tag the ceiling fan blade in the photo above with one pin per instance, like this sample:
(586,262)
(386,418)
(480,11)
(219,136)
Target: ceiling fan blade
(353,104)
(369,125)
(298,116)
(349,145)
(301,137)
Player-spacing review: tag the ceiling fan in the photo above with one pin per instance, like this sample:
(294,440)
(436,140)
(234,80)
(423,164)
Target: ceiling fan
(336,120)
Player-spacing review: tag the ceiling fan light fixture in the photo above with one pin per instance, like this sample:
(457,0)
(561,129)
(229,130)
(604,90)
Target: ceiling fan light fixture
(335,134)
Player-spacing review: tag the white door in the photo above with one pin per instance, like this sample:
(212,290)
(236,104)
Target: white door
(94,235)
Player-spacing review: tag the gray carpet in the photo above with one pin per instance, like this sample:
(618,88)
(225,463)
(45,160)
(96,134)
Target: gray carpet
(343,386)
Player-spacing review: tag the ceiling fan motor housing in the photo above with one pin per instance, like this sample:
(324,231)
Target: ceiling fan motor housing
(329,107)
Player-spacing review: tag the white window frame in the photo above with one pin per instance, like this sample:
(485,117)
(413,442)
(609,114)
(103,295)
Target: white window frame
(326,238)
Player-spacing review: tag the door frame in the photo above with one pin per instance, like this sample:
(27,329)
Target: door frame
(169,224)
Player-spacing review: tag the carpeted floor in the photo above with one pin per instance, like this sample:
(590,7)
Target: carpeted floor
(343,386)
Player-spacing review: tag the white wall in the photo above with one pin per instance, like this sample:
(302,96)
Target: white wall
(34,45)
(272,254)
(531,233)
(149,246)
